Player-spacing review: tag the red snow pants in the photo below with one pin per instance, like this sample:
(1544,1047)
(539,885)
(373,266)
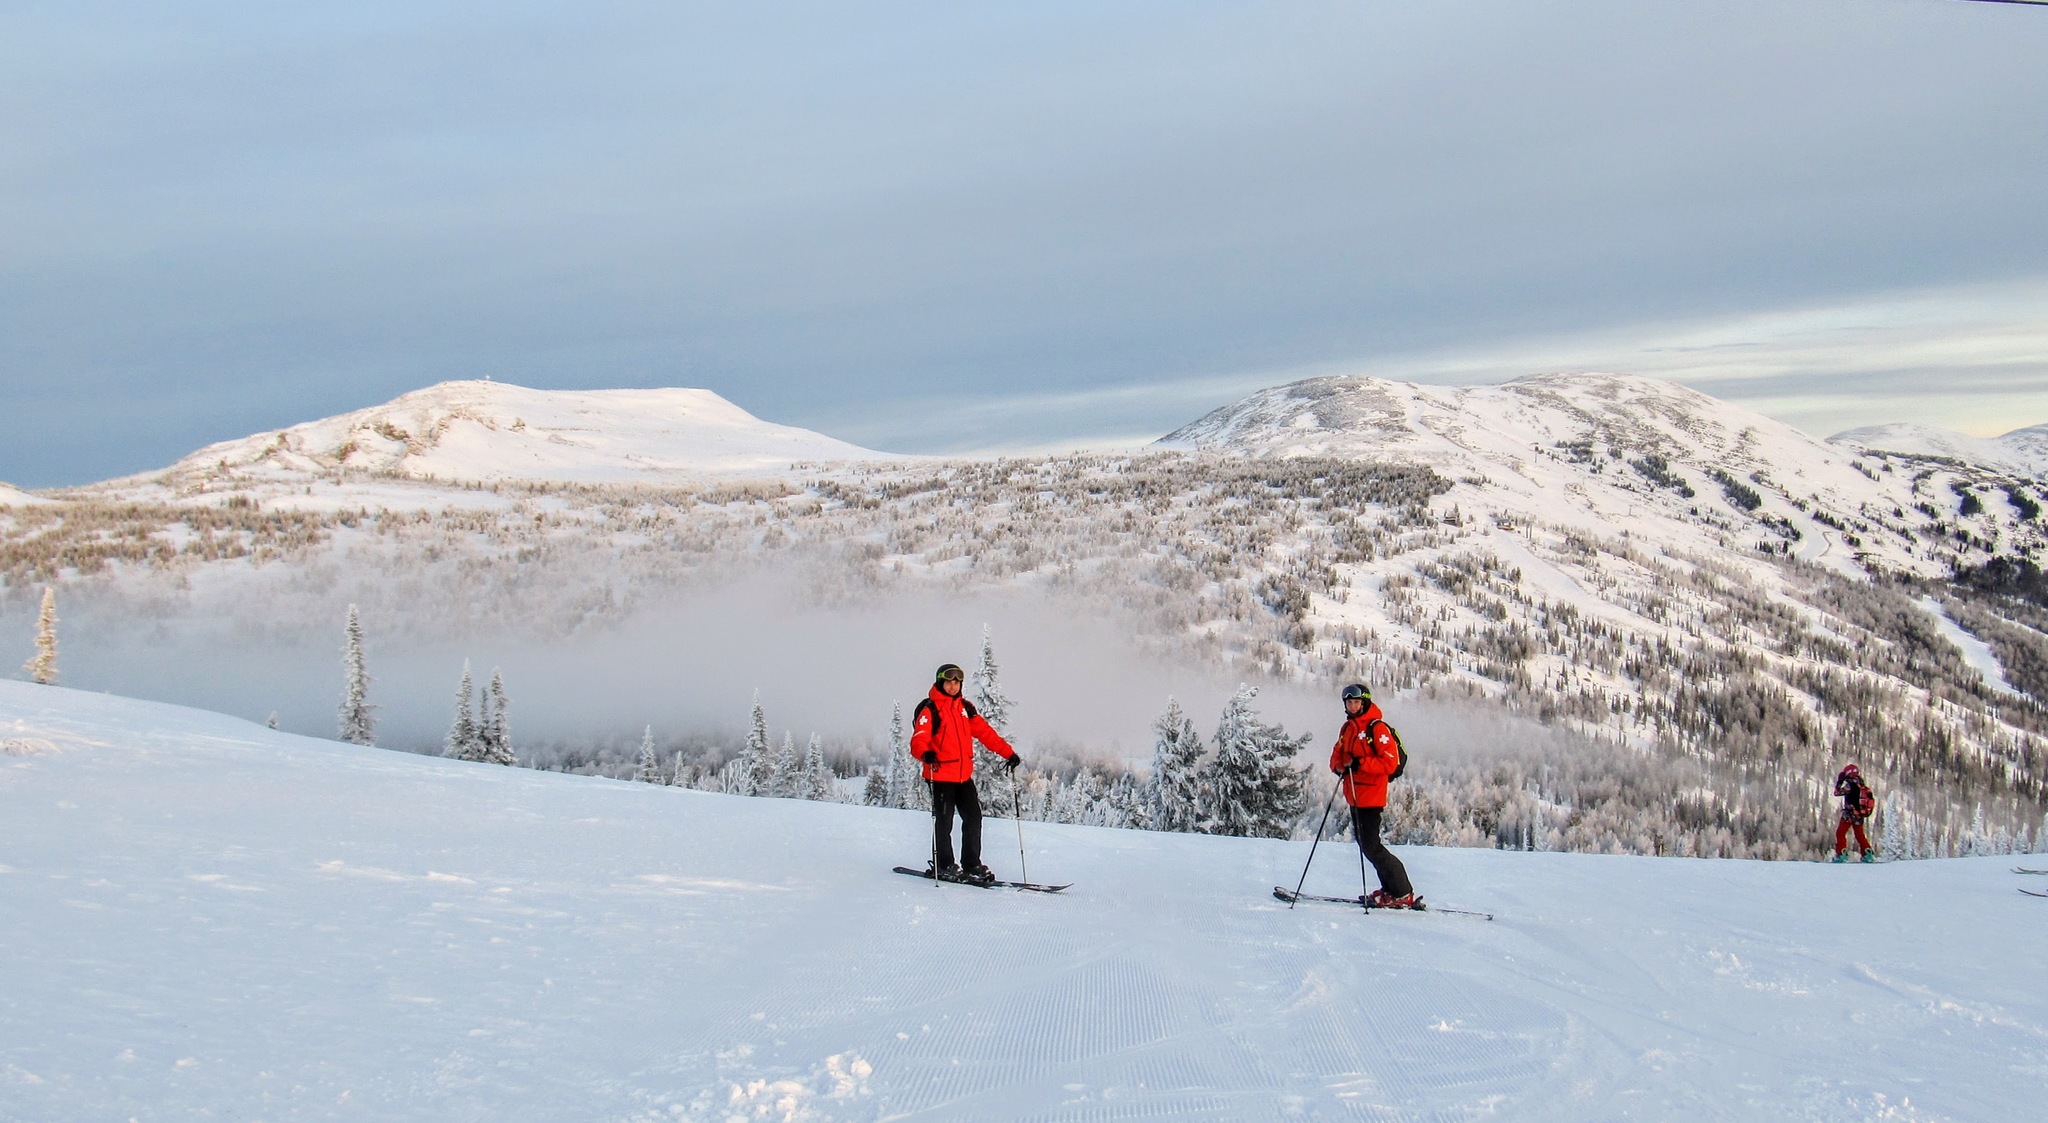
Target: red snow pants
(1842,835)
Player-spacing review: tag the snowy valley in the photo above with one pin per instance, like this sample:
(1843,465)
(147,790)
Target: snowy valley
(1619,615)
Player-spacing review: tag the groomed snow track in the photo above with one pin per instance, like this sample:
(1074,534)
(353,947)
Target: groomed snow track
(202,918)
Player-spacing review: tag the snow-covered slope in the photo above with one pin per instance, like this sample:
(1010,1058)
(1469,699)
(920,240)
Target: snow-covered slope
(205,918)
(15,497)
(488,431)
(2022,451)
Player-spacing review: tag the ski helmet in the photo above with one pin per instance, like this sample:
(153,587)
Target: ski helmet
(1851,770)
(949,672)
(1359,691)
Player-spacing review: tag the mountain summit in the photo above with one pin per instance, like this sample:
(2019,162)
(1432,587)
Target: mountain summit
(481,431)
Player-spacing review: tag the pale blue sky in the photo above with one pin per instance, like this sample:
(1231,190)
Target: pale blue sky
(941,226)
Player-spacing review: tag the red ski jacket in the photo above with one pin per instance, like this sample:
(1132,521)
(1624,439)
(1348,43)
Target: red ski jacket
(1364,755)
(950,727)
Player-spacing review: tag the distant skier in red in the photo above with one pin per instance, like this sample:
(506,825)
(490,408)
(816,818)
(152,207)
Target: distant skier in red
(1366,754)
(1858,802)
(943,730)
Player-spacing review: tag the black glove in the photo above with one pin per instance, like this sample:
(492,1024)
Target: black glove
(931,756)
(1012,761)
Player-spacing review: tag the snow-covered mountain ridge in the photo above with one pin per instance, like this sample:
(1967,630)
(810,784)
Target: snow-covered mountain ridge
(2022,451)
(1617,453)
(205,918)
(482,431)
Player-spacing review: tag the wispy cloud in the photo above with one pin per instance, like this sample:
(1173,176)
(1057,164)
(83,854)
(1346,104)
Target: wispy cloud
(1972,358)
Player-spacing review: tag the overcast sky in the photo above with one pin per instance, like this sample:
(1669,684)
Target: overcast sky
(946,226)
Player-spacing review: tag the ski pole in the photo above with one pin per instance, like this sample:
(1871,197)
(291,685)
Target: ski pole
(1327,804)
(1017,808)
(933,787)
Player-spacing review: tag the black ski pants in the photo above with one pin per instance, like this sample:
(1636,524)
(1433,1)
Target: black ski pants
(1365,826)
(946,799)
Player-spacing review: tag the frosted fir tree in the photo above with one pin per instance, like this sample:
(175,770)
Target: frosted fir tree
(1891,843)
(749,772)
(42,666)
(994,707)
(988,687)
(650,768)
(1173,797)
(875,793)
(905,787)
(494,731)
(789,769)
(358,716)
(818,781)
(1250,788)
(463,741)
(677,777)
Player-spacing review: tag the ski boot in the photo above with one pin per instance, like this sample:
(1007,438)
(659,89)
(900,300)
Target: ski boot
(978,875)
(1840,857)
(1381,899)
(945,873)
(1869,858)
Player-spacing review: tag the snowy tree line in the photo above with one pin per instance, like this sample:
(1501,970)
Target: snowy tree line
(1573,791)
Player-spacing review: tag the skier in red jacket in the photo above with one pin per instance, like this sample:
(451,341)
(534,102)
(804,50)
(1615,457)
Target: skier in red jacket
(943,729)
(1365,755)
(1857,804)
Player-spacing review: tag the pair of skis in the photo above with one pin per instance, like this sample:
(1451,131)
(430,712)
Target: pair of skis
(1029,886)
(1290,896)
(2030,892)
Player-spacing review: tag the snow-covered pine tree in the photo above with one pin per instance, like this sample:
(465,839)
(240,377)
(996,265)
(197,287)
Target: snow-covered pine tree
(789,778)
(271,721)
(677,776)
(988,687)
(358,716)
(750,771)
(1891,844)
(875,793)
(1251,788)
(995,708)
(1173,796)
(906,789)
(42,666)
(1976,843)
(649,771)
(462,741)
(818,781)
(495,731)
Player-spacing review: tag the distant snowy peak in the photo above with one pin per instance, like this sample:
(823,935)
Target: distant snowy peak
(2022,451)
(475,431)
(1373,416)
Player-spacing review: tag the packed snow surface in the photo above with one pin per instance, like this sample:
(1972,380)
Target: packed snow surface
(477,431)
(201,917)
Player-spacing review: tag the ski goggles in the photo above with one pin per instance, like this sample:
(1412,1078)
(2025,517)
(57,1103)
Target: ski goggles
(951,673)
(1358,692)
